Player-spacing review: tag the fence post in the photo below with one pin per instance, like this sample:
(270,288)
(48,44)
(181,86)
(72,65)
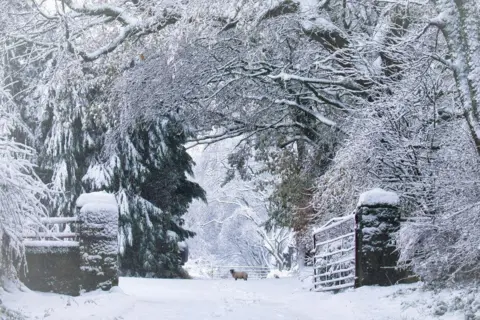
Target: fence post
(98,233)
(314,262)
(378,218)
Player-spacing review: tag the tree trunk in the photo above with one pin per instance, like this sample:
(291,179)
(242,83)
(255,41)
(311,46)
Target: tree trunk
(300,255)
(459,22)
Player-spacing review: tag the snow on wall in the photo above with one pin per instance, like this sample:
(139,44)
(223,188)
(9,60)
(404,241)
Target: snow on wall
(50,244)
(99,198)
(101,215)
(101,208)
(377,197)
(378,219)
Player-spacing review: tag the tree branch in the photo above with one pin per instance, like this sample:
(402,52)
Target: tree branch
(131,26)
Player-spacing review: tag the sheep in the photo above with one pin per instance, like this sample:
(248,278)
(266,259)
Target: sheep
(239,275)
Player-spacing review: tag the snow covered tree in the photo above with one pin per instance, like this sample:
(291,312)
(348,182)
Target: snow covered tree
(289,87)
(245,100)
(330,97)
(62,84)
(419,139)
(148,171)
(21,191)
(458,21)
(232,229)
(444,246)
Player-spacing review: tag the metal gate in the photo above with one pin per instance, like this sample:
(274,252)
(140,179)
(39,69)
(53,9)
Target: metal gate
(254,272)
(334,260)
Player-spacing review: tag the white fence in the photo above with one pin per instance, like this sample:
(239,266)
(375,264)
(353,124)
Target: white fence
(334,260)
(53,232)
(254,272)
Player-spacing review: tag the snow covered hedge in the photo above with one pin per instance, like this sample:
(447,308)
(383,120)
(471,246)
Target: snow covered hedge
(443,249)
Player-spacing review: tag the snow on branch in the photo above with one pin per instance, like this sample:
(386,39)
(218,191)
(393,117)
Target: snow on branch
(115,12)
(316,114)
(131,25)
(89,30)
(282,8)
(21,192)
(345,83)
(326,33)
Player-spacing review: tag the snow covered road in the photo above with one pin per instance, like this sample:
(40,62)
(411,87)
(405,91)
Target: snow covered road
(209,299)
(269,299)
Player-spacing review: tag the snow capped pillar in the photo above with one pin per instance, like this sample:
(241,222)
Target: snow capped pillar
(98,233)
(378,218)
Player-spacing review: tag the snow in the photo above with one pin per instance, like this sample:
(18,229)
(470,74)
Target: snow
(440,19)
(319,24)
(377,197)
(182,245)
(46,243)
(283,298)
(172,235)
(99,215)
(308,5)
(99,197)
(279,274)
(334,222)
(99,175)
(101,208)
(370,230)
(57,220)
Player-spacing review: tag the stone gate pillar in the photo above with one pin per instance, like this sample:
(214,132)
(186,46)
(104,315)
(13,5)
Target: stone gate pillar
(377,218)
(98,238)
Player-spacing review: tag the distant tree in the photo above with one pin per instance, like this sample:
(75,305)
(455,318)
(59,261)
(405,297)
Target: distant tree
(232,228)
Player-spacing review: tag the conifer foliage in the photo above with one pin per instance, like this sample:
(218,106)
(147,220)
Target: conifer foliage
(149,175)
(59,84)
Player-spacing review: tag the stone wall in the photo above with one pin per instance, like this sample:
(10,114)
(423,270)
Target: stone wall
(98,213)
(378,219)
(88,264)
(53,269)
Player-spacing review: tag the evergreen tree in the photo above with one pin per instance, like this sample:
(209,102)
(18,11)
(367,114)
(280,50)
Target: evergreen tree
(147,170)
(148,173)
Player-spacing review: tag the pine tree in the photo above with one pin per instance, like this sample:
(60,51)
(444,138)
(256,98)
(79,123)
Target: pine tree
(148,172)
(68,114)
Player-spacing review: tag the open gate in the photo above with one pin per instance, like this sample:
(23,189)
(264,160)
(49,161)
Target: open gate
(334,260)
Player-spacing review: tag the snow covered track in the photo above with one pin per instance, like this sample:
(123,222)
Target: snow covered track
(268,299)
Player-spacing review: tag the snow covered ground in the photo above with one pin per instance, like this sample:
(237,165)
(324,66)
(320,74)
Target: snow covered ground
(232,300)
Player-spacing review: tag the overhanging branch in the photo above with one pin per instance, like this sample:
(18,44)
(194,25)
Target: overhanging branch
(131,25)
